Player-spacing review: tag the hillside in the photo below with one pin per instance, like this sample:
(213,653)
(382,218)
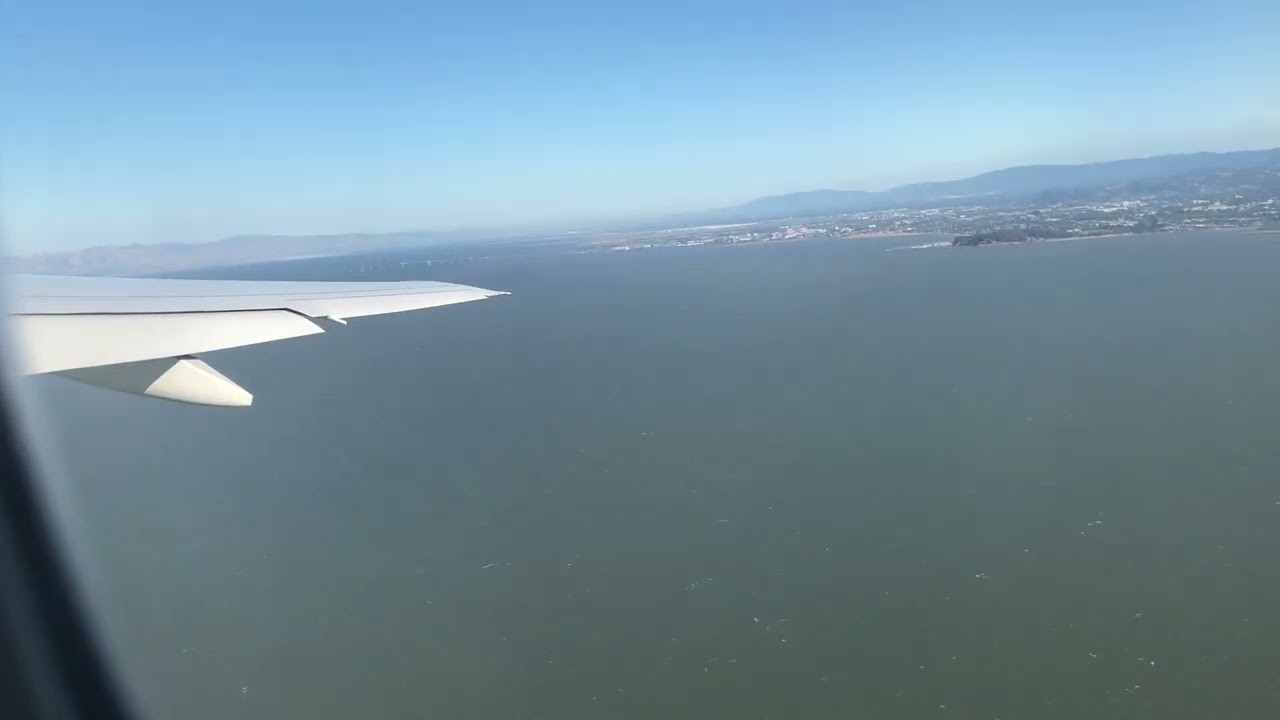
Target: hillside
(1014,182)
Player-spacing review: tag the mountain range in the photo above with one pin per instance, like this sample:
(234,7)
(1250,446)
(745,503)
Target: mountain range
(1010,183)
(1039,183)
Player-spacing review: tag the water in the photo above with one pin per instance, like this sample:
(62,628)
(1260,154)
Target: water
(812,480)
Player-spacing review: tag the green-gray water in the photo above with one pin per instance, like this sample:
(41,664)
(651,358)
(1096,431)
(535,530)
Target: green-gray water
(810,480)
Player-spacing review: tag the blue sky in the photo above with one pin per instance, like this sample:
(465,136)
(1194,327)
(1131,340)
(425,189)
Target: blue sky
(172,121)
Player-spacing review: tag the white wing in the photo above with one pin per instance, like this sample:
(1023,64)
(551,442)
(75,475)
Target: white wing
(141,335)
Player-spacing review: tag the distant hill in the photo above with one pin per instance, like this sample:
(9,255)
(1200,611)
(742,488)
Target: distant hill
(238,250)
(812,202)
(1029,179)
(1025,180)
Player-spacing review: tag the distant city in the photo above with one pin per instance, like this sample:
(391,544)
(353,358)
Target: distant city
(1170,193)
(1217,199)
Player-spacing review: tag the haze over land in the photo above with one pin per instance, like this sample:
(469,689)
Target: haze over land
(1246,182)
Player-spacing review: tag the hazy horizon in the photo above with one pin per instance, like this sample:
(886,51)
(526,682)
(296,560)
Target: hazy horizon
(583,224)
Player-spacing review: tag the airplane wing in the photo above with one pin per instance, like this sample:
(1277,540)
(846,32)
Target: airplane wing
(142,335)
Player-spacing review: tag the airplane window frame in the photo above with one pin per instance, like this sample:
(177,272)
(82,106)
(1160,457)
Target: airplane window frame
(51,664)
